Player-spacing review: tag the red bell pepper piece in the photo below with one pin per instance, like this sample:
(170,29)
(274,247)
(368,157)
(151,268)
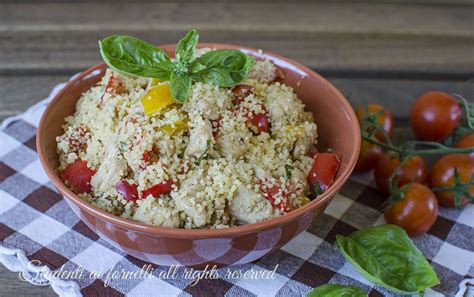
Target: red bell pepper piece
(158,189)
(128,191)
(322,173)
(78,176)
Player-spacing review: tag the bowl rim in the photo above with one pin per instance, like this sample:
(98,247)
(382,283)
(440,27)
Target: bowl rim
(204,233)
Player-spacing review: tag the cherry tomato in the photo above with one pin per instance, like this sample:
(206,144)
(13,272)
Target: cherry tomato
(467,141)
(78,176)
(128,191)
(260,122)
(416,212)
(434,115)
(368,156)
(442,175)
(412,170)
(322,173)
(158,189)
(384,119)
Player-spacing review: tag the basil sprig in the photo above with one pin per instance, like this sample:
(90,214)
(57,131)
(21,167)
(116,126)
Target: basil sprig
(386,256)
(134,57)
(335,290)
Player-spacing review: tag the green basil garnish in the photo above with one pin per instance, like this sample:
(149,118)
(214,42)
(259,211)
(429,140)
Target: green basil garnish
(180,84)
(131,56)
(224,68)
(186,46)
(386,256)
(334,290)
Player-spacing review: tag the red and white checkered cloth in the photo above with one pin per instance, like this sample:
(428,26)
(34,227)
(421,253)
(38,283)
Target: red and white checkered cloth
(37,224)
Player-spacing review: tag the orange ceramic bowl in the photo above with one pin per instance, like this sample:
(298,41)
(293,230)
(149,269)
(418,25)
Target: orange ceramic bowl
(338,130)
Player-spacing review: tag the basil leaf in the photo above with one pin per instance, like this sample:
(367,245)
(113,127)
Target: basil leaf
(386,256)
(180,84)
(224,68)
(334,290)
(186,46)
(131,56)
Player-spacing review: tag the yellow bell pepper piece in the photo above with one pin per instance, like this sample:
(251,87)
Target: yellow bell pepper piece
(156,99)
(176,127)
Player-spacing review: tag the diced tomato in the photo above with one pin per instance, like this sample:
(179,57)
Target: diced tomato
(241,91)
(322,173)
(114,86)
(259,121)
(146,156)
(76,138)
(270,194)
(158,189)
(78,176)
(128,191)
(216,125)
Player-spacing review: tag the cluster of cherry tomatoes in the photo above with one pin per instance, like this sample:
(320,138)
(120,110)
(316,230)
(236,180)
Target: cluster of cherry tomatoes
(401,172)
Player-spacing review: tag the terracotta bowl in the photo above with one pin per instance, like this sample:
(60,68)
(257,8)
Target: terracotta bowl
(337,128)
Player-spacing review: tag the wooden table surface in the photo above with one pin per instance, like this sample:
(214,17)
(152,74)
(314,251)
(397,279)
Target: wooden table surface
(374,51)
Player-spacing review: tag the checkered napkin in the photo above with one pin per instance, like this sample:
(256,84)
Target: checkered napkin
(36,224)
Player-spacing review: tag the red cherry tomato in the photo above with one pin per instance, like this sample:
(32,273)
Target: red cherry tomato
(384,119)
(322,173)
(467,141)
(128,191)
(442,175)
(78,176)
(434,115)
(412,170)
(158,189)
(416,212)
(260,122)
(368,156)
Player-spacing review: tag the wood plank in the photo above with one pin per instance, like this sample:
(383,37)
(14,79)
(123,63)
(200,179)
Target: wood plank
(20,92)
(58,50)
(277,16)
(48,37)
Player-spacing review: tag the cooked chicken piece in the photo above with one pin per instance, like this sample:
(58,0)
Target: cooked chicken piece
(199,139)
(110,171)
(231,145)
(248,207)
(186,199)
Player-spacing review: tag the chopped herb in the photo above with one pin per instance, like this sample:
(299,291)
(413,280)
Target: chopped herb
(316,189)
(122,146)
(203,155)
(289,170)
